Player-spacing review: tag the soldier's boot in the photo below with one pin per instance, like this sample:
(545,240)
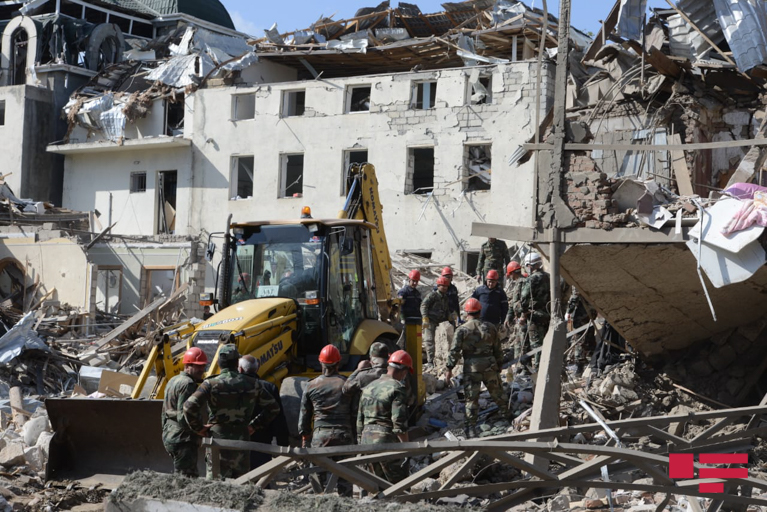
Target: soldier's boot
(469,432)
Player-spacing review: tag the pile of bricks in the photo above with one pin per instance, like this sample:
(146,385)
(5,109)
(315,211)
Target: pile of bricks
(589,194)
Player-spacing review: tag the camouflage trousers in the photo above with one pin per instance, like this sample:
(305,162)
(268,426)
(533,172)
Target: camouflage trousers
(234,463)
(428,335)
(536,333)
(331,436)
(184,457)
(518,334)
(473,381)
(392,470)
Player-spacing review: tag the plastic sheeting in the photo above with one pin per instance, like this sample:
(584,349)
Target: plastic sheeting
(19,338)
(630,19)
(745,27)
(182,71)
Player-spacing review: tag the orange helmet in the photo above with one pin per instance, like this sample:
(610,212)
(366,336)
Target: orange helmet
(195,355)
(493,274)
(330,355)
(443,281)
(513,267)
(414,275)
(401,360)
(472,306)
(447,271)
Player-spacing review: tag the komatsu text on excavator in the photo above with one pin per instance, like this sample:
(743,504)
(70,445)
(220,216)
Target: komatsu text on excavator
(286,288)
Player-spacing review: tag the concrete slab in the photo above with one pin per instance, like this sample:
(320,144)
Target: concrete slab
(652,295)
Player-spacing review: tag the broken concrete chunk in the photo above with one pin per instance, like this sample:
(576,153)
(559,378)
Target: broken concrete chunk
(34,458)
(12,455)
(33,428)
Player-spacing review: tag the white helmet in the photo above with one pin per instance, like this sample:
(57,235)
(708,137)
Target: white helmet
(533,259)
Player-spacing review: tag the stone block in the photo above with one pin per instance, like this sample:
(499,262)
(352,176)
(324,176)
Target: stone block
(12,455)
(738,118)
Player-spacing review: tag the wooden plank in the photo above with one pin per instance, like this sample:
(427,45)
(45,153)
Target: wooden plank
(413,479)
(679,166)
(457,475)
(264,470)
(654,431)
(128,324)
(607,28)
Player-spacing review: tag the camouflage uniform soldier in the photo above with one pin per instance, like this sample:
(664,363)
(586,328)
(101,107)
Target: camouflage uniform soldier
(361,377)
(325,402)
(494,255)
(411,305)
(517,329)
(179,439)
(478,342)
(230,398)
(435,309)
(534,297)
(382,417)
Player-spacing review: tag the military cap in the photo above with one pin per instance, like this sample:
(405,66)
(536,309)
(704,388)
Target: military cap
(379,350)
(228,354)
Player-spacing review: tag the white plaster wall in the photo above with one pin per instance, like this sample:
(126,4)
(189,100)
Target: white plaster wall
(60,263)
(12,134)
(90,177)
(387,132)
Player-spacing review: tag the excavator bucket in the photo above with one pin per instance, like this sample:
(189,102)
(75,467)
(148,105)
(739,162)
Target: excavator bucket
(101,440)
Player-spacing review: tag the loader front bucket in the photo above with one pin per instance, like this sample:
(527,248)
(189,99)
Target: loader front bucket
(102,440)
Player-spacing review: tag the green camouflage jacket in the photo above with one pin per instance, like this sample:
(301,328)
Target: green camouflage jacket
(478,342)
(325,402)
(384,403)
(175,429)
(436,306)
(358,380)
(534,298)
(514,288)
(230,398)
(493,256)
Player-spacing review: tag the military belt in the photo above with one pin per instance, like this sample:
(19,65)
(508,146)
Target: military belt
(378,428)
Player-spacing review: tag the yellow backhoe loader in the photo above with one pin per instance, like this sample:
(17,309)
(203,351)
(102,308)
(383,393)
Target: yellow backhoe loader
(286,289)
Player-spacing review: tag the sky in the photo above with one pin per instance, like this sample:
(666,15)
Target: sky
(299,14)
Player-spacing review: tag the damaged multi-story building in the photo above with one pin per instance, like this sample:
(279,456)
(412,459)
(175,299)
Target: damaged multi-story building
(214,126)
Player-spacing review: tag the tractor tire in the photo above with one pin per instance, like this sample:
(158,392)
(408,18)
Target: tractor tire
(291,391)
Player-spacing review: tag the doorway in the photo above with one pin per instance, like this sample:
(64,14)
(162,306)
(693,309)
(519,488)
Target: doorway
(166,202)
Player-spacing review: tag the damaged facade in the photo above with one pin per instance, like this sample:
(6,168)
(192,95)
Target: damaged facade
(434,101)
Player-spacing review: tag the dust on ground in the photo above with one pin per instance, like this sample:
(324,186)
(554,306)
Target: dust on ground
(191,490)
(284,501)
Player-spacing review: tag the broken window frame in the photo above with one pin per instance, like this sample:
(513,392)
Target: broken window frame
(138,182)
(469,261)
(348,161)
(290,105)
(419,188)
(420,87)
(350,103)
(109,269)
(284,184)
(234,177)
(171,111)
(2,112)
(420,253)
(146,272)
(486,90)
(236,107)
(165,225)
(474,183)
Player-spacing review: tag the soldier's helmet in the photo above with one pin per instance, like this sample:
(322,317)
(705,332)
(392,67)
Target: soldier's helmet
(228,356)
(379,350)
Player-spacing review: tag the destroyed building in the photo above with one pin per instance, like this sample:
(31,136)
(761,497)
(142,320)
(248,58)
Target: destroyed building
(214,126)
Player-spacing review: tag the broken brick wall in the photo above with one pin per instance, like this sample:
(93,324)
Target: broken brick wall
(589,193)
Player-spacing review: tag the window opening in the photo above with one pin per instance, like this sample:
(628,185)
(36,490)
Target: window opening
(478,167)
(420,176)
(174,118)
(242,177)
(2,112)
(420,254)
(424,94)
(160,282)
(166,202)
(19,47)
(137,182)
(469,261)
(243,106)
(357,156)
(359,99)
(480,91)
(292,182)
(294,103)
(108,289)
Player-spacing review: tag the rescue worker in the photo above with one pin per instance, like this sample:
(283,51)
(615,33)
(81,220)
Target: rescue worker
(517,330)
(478,343)
(534,297)
(180,441)
(325,402)
(275,429)
(206,313)
(379,354)
(494,255)
(453,299)
(230,399)
(383,414)
(434,310)
(494,302)
(242,292)
(410,309)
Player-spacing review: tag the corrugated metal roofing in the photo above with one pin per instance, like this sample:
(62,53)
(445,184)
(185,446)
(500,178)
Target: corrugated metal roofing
(745,28)
(702,13)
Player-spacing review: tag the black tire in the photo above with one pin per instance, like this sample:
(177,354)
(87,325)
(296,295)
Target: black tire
(291,391)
